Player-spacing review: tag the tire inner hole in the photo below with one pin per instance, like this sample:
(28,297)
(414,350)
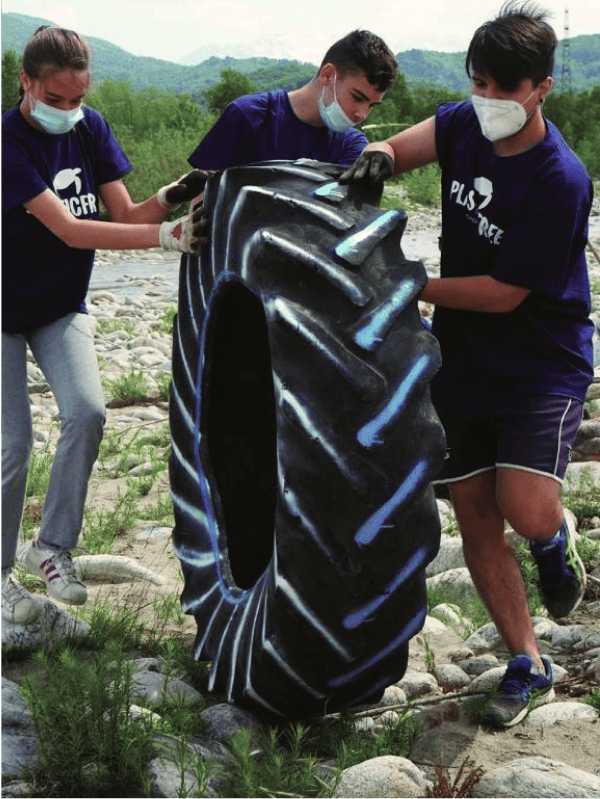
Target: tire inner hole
(239,421)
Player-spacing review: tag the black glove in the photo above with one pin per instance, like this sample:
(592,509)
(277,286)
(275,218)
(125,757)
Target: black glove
(372,167)
(185,189)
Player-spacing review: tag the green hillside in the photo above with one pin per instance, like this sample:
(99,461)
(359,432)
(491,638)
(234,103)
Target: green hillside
(418,66)
(110,61)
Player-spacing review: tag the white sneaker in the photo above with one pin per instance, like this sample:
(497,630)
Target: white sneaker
(57,569)
(18,605)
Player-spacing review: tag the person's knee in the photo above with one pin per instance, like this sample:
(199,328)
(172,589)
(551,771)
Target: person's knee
(86,418)
(15,456)
(530,503)
(535,520)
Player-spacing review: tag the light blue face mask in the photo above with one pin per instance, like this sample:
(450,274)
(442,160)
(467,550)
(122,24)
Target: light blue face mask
(334,116)
(55,120)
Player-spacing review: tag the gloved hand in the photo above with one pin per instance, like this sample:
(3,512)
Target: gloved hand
(185,189)
(371,167)
(186,234)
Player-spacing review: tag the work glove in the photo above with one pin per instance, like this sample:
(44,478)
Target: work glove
(371,167)
(186,234)
(185,189)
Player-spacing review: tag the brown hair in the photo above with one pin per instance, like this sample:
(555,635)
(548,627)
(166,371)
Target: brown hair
(363,51)
(55,49)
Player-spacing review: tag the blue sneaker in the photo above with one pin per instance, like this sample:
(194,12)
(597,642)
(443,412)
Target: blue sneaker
(561,571)
(519,691)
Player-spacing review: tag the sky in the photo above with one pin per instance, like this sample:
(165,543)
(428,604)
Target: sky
(298,29)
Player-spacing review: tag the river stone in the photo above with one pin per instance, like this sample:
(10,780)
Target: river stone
(20,748)
(417,683)
(581,475)
(451,676)
(444,744)
(224,720)
(450,615)
(537,776)
(52,626)
(450,556)
(393,696)
(165,769)
(17,789)
(152,687)
(446,513)
(487,637)
(593,670)
(386,776)
(478,665)
(560,711)
(456,586)
(433,626)
(567,637)
(488,681)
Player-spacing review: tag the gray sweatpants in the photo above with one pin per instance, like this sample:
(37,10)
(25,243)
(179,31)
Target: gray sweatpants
(65,353)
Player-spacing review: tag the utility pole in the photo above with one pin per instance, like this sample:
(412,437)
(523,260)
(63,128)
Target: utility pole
(566,78)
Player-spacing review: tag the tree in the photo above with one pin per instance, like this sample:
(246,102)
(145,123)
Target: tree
(10,80)
(232,85)
(427,99)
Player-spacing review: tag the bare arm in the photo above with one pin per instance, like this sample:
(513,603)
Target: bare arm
(121,207)
(406,150)
(89,234)
(478,293)
(410,148)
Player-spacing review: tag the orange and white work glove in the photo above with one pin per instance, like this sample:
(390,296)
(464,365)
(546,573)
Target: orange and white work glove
(183,190)
(186,234)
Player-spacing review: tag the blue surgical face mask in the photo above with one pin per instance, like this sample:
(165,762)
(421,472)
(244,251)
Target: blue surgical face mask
(55,120)
(333,116)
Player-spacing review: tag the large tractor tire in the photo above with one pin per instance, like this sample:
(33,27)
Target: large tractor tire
(303,441)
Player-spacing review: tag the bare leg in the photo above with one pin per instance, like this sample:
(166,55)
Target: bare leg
(529,502)
(491,561)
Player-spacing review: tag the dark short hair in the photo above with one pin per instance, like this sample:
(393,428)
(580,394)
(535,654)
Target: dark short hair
(363,51)
(518,44)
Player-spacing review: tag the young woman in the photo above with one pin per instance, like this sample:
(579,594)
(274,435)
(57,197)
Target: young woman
(59,159)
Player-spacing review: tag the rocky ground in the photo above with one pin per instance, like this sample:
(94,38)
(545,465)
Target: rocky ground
(447,659)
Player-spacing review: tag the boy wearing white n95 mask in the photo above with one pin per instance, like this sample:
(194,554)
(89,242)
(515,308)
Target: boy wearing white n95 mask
(512,318)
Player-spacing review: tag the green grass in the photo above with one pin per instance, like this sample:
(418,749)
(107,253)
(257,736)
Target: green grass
(166,320)
(79,695)
(106,326)
(127,389)
(421,188)
(585,501)
(90,745)
(594,700)
(103,527)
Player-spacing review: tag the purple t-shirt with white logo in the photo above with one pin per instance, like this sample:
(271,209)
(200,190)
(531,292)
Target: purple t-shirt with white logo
(523,220)
(43,279)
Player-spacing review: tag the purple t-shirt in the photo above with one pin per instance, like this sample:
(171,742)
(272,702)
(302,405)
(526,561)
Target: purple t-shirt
(43,279)
(523,220)
(264,127)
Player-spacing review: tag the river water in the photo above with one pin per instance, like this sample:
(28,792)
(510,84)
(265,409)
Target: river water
(135,273)
(122,274)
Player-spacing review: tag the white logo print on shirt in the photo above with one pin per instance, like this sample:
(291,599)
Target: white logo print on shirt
(484,189)
(83,204)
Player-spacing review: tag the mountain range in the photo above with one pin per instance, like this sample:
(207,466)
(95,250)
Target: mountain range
(417,66)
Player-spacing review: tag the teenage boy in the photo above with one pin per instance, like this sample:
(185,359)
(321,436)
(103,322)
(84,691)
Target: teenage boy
(316,121)
(512,319)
